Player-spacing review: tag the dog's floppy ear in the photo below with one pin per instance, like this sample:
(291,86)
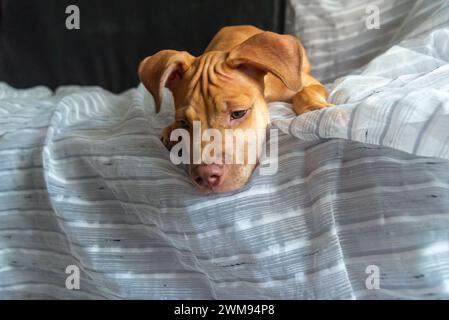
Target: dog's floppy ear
(163,69)
(278,54)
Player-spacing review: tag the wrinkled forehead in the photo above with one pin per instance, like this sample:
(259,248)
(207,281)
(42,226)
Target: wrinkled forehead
(211,84)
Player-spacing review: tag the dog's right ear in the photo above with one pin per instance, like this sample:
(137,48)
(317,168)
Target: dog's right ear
(267,51)
(163,69)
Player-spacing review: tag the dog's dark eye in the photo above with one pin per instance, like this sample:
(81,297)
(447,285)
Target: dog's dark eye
(238,114)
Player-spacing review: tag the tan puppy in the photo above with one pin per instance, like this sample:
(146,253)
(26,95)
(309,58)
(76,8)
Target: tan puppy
(228,87)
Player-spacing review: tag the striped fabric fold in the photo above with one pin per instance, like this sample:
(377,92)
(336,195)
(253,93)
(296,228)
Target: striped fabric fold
(399,100)
(337,40)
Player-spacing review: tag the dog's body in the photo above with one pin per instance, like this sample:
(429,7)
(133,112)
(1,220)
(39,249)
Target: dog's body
(312,94)
(228,87)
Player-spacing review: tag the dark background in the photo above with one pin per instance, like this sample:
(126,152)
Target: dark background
(37,49)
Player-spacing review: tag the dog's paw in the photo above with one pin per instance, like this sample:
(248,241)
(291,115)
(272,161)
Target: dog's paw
(303,108)
(310,108)
(310,99)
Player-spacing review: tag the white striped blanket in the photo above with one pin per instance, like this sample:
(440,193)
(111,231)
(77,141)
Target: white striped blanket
(337,40)
(85,181)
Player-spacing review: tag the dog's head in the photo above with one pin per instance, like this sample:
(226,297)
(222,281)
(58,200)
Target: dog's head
(223,91)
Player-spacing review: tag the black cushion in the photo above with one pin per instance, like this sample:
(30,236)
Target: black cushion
(37,49)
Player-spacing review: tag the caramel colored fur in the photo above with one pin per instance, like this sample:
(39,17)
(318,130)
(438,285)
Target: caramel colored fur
(243,67)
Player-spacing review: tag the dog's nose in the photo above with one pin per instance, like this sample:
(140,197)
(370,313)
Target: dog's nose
(209,175)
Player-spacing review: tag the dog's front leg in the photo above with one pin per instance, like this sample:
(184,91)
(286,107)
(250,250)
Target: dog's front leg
(312,96)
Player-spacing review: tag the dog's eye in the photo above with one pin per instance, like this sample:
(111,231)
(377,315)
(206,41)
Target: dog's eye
(237,114)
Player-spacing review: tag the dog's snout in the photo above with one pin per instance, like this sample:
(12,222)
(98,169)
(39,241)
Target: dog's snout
(209,175)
